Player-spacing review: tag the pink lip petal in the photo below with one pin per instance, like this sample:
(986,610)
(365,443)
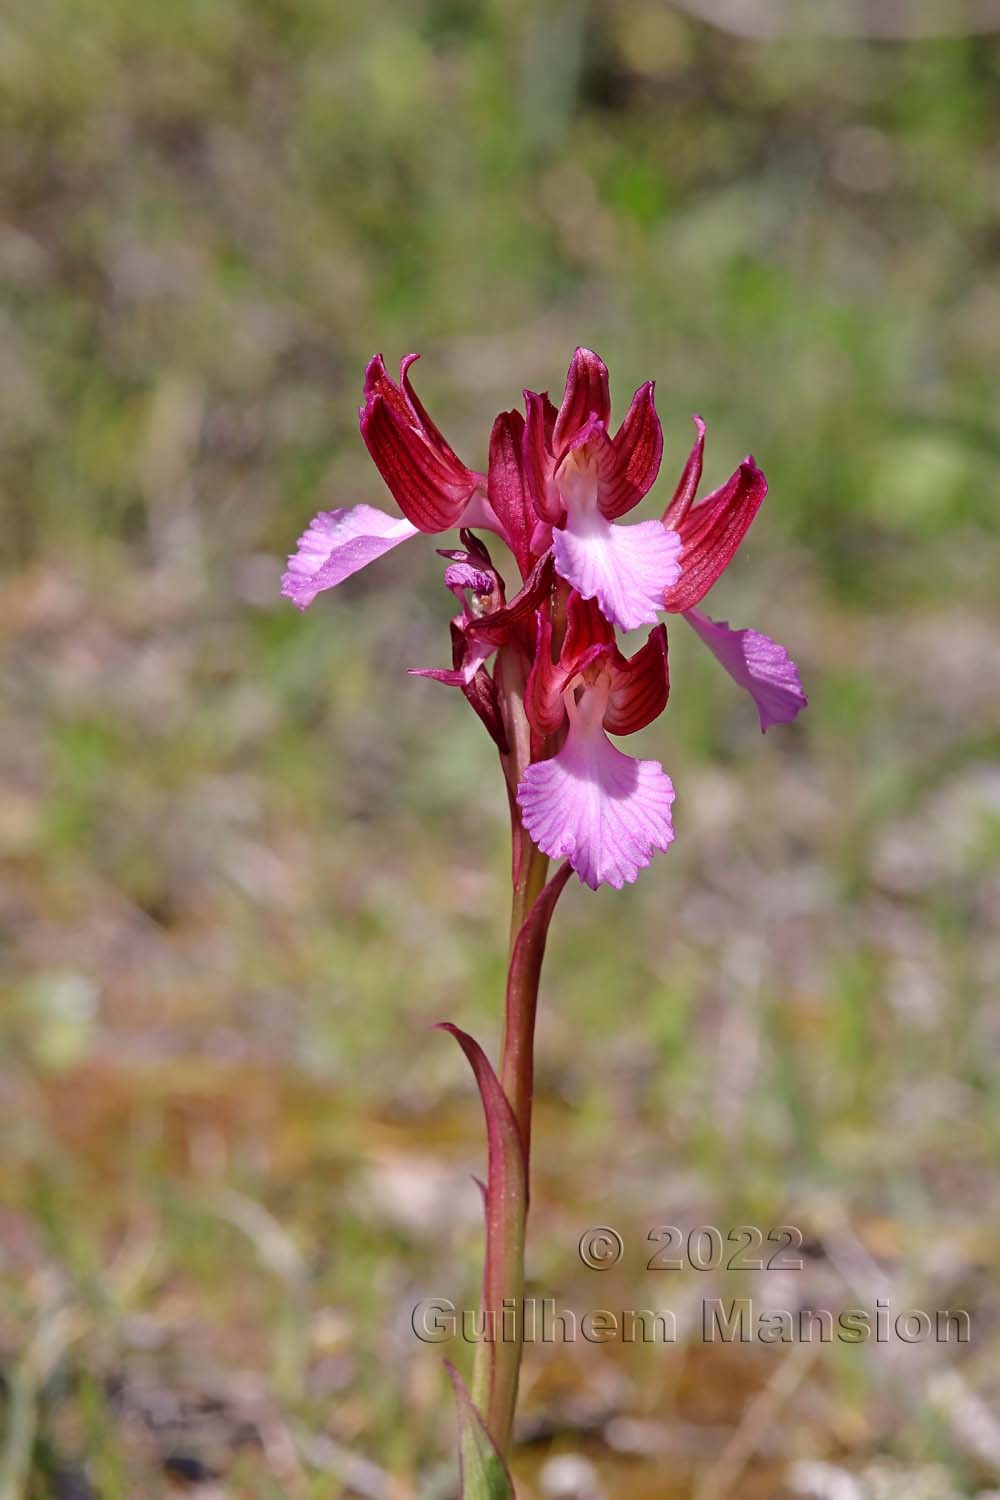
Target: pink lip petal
(627,569)
(756,663)
(607,813)
(336,544)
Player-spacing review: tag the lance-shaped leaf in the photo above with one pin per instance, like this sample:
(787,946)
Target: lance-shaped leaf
(506,1210)
(483,1475)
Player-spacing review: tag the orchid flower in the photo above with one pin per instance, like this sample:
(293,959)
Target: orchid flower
(585,480)
(430,484)
(545,674)
(606,812)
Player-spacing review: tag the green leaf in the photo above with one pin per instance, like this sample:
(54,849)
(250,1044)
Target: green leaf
(483,1475)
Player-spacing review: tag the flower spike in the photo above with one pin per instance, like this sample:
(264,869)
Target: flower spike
(546,676)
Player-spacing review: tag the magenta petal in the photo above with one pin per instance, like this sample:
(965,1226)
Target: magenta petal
(711,532)
(626,569)
(637,449)
(508,488)
(605,812)
(586,395)
(450,676)
(687,485)
(477,653)
(640,686)
(337,544)
(758,664)
(430,491)
(538,462)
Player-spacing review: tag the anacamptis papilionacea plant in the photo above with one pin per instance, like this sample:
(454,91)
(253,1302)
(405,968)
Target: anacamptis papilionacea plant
(544,672)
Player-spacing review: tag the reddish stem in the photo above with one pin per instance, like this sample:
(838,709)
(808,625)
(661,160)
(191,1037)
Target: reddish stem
(498,1363)
(517,1058)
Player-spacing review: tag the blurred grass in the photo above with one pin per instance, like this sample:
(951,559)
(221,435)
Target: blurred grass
(246,860)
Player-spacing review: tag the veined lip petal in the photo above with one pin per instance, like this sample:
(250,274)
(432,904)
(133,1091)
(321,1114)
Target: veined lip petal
(336,544)
(607,813)
(627,569)
(756,663)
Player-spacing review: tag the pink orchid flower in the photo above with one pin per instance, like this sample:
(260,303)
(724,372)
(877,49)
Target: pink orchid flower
(710,533)
(430,484)
(606,812)
(584,480)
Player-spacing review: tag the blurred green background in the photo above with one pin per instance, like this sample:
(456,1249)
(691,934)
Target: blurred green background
(247,861)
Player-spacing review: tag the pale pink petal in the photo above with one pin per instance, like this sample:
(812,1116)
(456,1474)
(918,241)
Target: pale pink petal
(337,544)
(625,568)
(758,664)
(605,812)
